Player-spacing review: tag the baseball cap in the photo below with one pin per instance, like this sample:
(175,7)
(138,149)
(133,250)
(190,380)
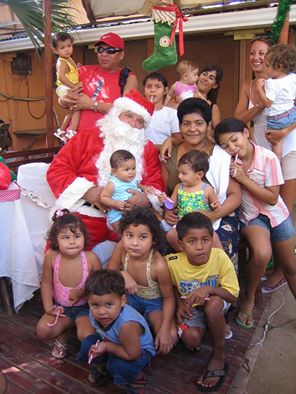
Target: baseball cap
(111,39)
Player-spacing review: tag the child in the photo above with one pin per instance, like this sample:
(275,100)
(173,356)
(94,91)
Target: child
(192,194)
(164,121)
(278,92)
(123,344)
(206,285)
(123,177)
(67,78)
(186,87)
(143,264)
(65,270)
(265,220)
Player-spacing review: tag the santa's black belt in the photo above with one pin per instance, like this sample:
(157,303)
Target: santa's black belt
(88,204)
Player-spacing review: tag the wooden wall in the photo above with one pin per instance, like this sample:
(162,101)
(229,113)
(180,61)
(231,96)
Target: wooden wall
(202,49)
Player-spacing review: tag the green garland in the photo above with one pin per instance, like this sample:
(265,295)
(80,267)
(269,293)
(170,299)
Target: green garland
(283,9)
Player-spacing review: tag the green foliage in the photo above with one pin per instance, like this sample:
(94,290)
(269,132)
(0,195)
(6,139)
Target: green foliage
(31,16)
(283,9)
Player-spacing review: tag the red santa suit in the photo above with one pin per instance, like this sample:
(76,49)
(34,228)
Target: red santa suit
(74,171)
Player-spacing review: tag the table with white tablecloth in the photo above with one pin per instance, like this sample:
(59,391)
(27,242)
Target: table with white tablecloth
(23,227)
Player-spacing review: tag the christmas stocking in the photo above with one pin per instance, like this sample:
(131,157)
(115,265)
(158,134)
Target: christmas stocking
(165,20)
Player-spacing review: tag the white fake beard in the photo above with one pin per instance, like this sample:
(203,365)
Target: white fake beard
(125,137)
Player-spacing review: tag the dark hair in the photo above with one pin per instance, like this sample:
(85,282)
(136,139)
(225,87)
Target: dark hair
(194,105)
(263,38)
(156,75)
(213,93)
(282,56)
(198,161)
(228,125)
(61,37)
(195,220)
(119,157)
(63,219)
(104,282)
(147,217)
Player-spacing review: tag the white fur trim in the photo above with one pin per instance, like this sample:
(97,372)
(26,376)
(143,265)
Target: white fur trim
(70,198)
(126,104)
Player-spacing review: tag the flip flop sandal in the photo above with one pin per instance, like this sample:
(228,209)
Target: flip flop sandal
(244,316)
(216,373)
(59,349)
(98,374)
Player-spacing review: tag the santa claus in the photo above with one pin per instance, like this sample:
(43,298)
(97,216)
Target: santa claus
(82,167)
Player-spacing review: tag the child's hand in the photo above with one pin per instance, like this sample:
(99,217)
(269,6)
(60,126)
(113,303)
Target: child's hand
(75,295)
(163,341)
(215,205)
(97,350)
(130,284)
(56,310)
(120,205)
(199,296)
(183,312)
(237,172)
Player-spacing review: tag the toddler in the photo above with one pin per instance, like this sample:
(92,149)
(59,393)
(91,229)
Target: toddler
(146,274)
(65,270)
(278,92)
(192,194)
(123,344)
(67,78)
(206,285)
(186,86)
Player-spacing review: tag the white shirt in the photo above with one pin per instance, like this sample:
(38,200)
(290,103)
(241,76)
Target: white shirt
(282,93)
(164,122)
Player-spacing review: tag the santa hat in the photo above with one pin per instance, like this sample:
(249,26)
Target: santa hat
(134,102)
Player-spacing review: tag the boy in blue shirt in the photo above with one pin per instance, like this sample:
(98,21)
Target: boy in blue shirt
(123,343)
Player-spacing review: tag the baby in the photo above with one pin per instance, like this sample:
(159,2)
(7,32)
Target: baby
(186,86)
(123,177)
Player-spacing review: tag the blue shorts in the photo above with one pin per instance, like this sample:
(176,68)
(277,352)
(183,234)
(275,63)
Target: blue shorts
(281,232)
(73,312)
(283,122)
(144,306)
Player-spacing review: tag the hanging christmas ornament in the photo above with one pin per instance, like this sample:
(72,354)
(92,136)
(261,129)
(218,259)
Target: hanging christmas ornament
(166,19)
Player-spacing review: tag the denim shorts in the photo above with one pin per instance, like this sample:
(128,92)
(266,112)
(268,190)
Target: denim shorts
(281,232)
(144,306)
(283,122)
(198,318)
(73,312)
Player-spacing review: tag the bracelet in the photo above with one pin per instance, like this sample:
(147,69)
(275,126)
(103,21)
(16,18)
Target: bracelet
(259,106)
(95,108)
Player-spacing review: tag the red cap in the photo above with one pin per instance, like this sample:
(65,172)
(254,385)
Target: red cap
(112,40)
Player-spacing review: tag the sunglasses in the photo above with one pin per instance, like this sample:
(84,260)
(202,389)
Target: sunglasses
(109,50)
